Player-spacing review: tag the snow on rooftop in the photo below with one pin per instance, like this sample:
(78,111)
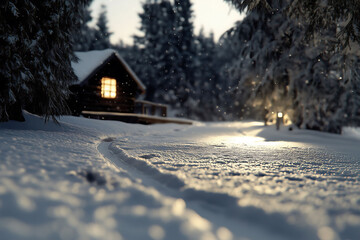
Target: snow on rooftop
(89,61)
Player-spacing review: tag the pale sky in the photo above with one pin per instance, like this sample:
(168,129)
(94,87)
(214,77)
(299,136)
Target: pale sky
(214,15)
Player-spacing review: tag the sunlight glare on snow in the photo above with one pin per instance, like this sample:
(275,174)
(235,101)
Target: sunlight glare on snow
(25,203)
(327,233)
(104,213)
(224,234)
(237,169)
(156,232)
(196,223)
(233,140)
(241,140)
(199,222)
(178,207)
(139,210)
(95,230)
(60,211)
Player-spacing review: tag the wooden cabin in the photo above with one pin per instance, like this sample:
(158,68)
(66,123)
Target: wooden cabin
(105,83)
(107,88)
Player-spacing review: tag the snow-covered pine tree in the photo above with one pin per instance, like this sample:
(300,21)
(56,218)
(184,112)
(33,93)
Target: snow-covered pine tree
(101,39)
(146,44)
(185,41)
(205,96)
(85,35)
(259,74)
(179,68)
(132,56)
(318,15)
(327,93)
(13,71)
(231,54)
(227,55)
(36,53)
(160,55)
(349,80)
(301,74)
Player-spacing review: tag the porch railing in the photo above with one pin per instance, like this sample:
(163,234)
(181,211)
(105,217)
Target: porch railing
(150,108)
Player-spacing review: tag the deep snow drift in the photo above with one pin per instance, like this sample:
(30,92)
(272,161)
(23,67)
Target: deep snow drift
(90,179)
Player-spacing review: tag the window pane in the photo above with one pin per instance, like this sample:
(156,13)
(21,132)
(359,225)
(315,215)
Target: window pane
(108,87)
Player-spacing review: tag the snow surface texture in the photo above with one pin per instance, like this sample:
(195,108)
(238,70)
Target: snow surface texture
(90,179)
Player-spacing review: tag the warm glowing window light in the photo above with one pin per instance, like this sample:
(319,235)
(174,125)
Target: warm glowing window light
(108,87)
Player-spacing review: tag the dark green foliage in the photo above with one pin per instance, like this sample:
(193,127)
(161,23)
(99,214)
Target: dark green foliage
(101,35)
(259,76)
(36,51)
(165,67)
(280,68)
(92,38)
(185,41)
(178,68)
(207,94)
(316,14)
(320,15)
(84,36)
(160,56)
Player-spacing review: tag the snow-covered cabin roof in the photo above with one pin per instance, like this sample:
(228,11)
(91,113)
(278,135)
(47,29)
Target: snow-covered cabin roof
(90,61)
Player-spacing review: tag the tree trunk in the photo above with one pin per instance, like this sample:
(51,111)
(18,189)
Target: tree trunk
(4,117)
(11,112)
(15,112)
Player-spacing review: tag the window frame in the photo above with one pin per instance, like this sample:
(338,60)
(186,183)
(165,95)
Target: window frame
(108,88)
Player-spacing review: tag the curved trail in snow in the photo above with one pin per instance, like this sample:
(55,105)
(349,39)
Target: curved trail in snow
(220,209)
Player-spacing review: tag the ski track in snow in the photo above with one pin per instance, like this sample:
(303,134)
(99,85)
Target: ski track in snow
(201,202)
(54,184)
(89,179)
(301,191)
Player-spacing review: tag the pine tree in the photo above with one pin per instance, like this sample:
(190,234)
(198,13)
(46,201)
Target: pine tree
(204,100)
(281,65)
(327,96)
(185,41)
(85,35)
(102,34)
(259,74)
(132,56)
(161,69)
(318,15)
(178,68)
(227,55)
(36,55)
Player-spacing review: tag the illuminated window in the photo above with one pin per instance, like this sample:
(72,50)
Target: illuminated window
(108,87)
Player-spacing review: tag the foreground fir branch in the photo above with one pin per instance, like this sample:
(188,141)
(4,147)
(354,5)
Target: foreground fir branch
(36,53)
(318,14)
(279,68)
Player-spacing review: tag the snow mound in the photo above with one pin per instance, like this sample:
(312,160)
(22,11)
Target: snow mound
(93,179)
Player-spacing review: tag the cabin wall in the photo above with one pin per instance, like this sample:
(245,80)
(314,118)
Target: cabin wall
(87,95)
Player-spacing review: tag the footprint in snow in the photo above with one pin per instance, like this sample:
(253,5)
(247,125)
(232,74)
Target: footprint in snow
(149,156)
(109,139)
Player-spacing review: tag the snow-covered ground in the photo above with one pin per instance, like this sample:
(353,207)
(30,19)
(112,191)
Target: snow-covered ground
(91,179)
